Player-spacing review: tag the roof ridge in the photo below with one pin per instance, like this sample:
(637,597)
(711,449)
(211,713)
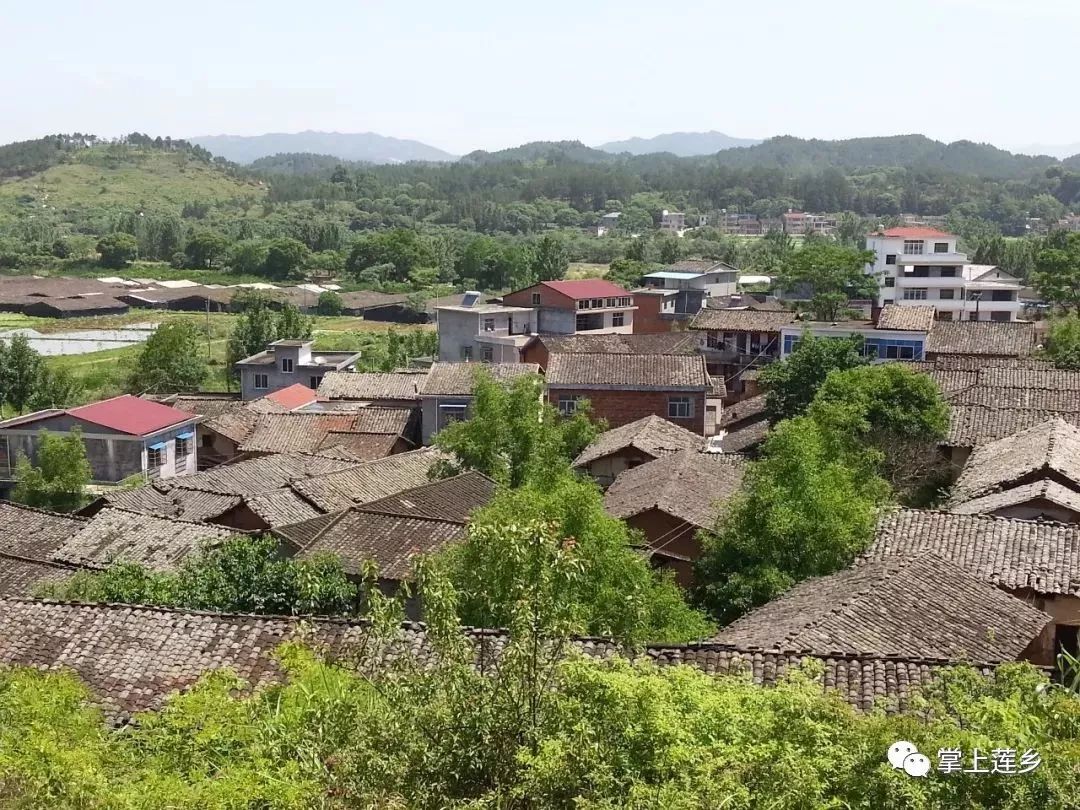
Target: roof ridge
(1022,521)
(199,523)
(39,510)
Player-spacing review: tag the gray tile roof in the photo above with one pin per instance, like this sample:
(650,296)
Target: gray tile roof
(403,385)
(1036,399)
(452,499)
(666,372)
(258,475)
(281,506)
(306,432)
(660,343)
(742,439)
(185,504)
(21,576)
(458,379)
(1050,447)
(972,425)
(908,606)
(903,317)
(744,410)
(131,658)
(363,483)
(1012,339)
(1026,493)
(115,535)
(742,320)
(1035,555)
(34,533)
(689,485)
(652,434)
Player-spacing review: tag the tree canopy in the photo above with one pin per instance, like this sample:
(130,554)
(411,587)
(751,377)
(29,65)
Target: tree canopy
(1057,272)
(833,274)
(173,358)
(59,475)
(792,383)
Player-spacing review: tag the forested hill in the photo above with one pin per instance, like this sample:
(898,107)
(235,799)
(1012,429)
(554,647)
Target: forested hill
(367,147)
(552,152)
(683,144)
(299,163)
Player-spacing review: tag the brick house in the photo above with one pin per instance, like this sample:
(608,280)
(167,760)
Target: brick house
(583,305)
(629,446)
(739,340)
(622,388)
(543,346)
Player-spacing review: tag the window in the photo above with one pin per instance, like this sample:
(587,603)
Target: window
(487,354)
(314,382)
(899,353)
(568,405)
(1001,295)
(948,272)
(183,447)
(890,258)
(448,414)
(915,294)
(973,316)
(941,247)
(582,304)
(581,323)
(286,365)
(598,303)
(946,295)
(999,316)
(466,353)
(890,282)
(618,319)
(943,316)
(262,382)
(609,302)
(155,457)
(680,408)
(625,301)
(536,299)
(913,247)
(489,324)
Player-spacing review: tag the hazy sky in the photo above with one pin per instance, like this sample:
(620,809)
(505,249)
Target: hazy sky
(477,74)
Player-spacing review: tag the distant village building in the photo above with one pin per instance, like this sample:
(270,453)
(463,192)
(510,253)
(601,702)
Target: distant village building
(489,333)
(672,222)
(900,333)
(608,223)
(797,223)
(706,278)
(446,394)
(287,362)
(581,305)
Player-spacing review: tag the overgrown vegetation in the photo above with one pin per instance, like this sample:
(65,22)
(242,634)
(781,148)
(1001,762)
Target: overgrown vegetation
(57,477)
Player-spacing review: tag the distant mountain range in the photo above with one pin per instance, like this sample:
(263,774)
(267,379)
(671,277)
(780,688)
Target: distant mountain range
(367,147)
(1060,151)
(683,144)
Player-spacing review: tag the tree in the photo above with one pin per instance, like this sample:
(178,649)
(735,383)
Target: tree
(1057,273)
(832,272)
(1063,342)
(59,478)
(117,250)
(56,388)
(523,538)
(670,250)
(791,384)
(401,247)
(551,260)
(627,272)
(247,257)
(172,359)
(513,434)
(330,303)
(807,508)
(293,324)
(254,330)
(241,575)
(205,247)
(285,257)
(22,371)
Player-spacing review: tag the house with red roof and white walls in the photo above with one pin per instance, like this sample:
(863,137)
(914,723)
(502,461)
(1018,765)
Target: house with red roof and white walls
(124,436)
(922,266)
(591,305)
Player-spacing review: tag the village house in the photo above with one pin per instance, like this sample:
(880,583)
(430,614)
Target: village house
(362,434)
(981,338)
(447,391)
(737,340)
(623,448)
(622,388)
(287,362)
(28,538)
(707,278)
(124,436)
(744,425)
(381,389)
(490,333)
(581,305)
(909,606)
(901,333)
(671,499)
(544,346)
(672,222)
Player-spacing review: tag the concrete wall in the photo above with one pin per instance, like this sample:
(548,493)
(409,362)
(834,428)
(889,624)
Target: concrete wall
(623,407)
(606,469)
(456,331)
(551,321)
(434,413)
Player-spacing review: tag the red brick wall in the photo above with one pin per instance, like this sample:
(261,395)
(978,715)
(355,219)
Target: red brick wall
(623,407)
(536,352)
(664,532)
(548,298)
(647,319)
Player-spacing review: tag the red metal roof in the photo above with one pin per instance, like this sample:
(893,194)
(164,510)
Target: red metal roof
(131,414)
(295,396)
(586,288)
(914,233)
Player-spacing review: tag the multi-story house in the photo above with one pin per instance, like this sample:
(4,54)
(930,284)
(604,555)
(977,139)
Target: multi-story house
(900,333)
(715,279)
(920,266)
(734,341)
(124,436)
(490,333)
(287,362)
(672,221)
(797,222)
(594,306)
(608,223)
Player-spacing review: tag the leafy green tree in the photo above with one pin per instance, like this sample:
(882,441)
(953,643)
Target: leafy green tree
(285,258)
(807,508)
(293,324)
(22,371)
(513,434)
(247,257)
(206,247)
(670,250)
(401,247)
(117,250)
(242,575)
(172,359)
(520,541)
(330,303)
(56,387)
(59,478)
(551,259)
(792,383)
(627,272)
(1063,342)
(834,273)
(1057,273)
(256,327)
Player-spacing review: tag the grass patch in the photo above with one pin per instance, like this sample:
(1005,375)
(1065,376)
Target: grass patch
(585,270)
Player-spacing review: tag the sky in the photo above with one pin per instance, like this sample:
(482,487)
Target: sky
(474,74)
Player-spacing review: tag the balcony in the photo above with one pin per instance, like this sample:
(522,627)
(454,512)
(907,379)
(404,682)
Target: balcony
(935,282)
(948,259)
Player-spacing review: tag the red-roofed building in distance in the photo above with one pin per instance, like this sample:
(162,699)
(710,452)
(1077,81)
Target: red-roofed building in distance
(593,306)
(917,265)
(124,436)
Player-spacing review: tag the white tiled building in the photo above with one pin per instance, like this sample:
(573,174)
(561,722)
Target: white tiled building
(918,265)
